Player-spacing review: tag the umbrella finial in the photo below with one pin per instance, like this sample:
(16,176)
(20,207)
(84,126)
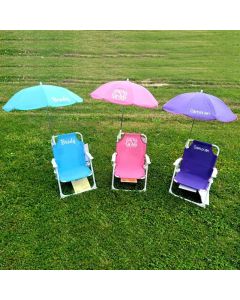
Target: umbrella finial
(201,91)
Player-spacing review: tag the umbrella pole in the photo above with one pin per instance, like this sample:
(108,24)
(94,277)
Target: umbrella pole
(191,128)
(49,122)
(121,119)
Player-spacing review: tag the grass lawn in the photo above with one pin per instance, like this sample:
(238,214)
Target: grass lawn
(106,229)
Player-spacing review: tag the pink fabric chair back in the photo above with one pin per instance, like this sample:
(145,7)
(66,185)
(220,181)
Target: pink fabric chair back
(131,150)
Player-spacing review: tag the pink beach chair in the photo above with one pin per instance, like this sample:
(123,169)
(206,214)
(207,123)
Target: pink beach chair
(130,161)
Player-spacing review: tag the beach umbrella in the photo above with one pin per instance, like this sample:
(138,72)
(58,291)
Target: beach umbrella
(41,96)
(200,106)
(125,93)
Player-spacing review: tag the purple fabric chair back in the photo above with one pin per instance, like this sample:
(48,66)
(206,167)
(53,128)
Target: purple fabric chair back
(199,159)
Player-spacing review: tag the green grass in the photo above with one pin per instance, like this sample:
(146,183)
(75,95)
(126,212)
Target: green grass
(103,229)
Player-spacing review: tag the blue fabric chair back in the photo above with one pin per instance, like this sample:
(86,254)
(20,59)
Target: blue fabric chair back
(69,151)
(199,159)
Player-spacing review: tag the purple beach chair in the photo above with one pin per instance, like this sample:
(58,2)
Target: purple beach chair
(195,171)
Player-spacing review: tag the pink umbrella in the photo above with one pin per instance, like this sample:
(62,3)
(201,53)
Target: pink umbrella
(125,93)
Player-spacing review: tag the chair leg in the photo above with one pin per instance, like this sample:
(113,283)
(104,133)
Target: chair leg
(171,185)
(60,188)
(204,194)
(113,187)
(146,178)
(93,176)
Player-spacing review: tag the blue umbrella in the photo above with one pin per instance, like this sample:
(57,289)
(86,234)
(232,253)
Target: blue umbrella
(41,96)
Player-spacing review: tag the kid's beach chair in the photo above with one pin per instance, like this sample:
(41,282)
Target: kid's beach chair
(72,162)
(130,161)
(195,171)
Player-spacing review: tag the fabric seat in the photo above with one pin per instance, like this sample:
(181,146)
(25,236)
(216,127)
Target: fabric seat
(132,172)
(66,175)
(191,180)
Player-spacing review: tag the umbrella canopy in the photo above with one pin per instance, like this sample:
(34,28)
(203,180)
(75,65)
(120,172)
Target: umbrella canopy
(41,96)
(125,93)
(200,106)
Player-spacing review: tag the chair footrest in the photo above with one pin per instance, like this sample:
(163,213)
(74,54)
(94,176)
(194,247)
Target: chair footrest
(129,180)
(186,188)
(81,185)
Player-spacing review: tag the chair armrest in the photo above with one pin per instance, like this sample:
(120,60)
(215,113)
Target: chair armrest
(214,173)
(114,157)
(88,155)
(147,159)
(119,135)
(177,162)
(54,164)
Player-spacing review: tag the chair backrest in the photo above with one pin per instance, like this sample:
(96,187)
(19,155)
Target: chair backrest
(69,151)
(131,149)
(199,159)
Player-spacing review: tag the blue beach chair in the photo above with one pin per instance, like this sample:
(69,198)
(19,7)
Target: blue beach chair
(196,170)
(72,160)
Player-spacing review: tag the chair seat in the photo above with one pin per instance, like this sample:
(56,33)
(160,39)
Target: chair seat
(192,181)
(129,171)
(75,173)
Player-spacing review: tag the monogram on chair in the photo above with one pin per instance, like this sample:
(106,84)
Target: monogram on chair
(131,143)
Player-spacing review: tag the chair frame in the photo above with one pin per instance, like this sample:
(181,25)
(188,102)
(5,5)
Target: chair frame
(89,162)
(204,194)
(147,162)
